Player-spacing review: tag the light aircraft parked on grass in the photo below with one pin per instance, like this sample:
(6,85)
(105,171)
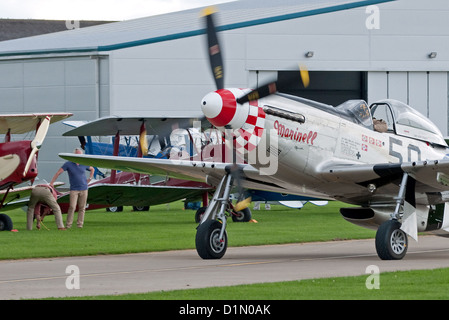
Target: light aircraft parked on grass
(18,159)
(122,188)
(396,171)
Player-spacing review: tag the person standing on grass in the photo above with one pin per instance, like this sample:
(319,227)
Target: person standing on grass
(78,188)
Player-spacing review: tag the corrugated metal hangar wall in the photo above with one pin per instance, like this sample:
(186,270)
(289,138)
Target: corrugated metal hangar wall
(74,84)
(157,66)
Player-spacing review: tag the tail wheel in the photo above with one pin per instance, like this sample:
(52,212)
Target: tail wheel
(5,223)
(391,241)
(141,208)
(242,216)
(199,214)
(208,243)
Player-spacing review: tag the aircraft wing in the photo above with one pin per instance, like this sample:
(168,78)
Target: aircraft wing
(209,172)
(432,176)
(16,198)
(164,167)
(23,123)
(115,195)
(108,126)
(137,195)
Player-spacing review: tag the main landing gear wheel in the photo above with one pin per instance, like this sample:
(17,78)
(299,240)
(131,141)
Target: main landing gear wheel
(5,223)
(114,209)
(391,241)
(208,243)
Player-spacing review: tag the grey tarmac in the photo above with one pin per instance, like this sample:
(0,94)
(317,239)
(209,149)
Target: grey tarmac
(183,269)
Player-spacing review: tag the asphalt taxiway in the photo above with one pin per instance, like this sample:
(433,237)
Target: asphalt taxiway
(143,272)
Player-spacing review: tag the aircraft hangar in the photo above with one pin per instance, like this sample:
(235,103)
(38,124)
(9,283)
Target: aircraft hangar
(157,65)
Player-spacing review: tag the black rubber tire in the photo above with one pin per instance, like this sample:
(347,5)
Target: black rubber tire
(5,222)
(141,208)
(207,244)
(242,216)
(199,214)
(114,209)
(391,241)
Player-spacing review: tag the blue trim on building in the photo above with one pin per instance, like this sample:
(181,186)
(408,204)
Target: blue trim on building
(244,24)
(192,33)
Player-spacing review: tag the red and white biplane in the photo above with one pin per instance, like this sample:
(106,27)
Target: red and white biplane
(18,159)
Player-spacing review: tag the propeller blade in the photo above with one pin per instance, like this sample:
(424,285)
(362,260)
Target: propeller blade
(41,133)
(274,86)
(143,143)
(304,75)
(241,205)
(214,50)
(30,159)
(260,92)
(37,142)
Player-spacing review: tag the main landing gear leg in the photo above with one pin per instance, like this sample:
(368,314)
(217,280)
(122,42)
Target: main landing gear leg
(211,237)
(391,241)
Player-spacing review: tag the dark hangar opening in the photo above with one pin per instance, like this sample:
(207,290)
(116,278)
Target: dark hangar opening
(330,87)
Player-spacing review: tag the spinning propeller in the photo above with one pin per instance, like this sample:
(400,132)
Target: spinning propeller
(214,103)
(37,142)
(216,64)
(220,107)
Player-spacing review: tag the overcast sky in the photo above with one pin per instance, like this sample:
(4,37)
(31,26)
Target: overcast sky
(116,10)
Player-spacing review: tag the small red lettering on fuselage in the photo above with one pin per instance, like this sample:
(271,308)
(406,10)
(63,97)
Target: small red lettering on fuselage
(371,140)
(295,134)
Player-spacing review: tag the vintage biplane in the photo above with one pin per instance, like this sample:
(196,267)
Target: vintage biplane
(386,158)
(18,159)
(122,188)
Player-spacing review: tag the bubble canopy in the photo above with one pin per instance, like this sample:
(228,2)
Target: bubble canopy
(406,121)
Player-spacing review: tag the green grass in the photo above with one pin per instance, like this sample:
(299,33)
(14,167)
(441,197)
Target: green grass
(404,285)
(169,227)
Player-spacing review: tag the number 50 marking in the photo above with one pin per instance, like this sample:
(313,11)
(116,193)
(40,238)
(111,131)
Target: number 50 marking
(410,148)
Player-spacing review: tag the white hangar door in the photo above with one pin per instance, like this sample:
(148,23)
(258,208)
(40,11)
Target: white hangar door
(426,92)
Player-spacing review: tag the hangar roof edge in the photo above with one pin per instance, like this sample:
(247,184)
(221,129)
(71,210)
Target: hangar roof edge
(172,26)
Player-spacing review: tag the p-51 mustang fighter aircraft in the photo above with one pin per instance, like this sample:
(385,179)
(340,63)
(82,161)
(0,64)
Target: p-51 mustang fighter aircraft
(387,159)
(18,162)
